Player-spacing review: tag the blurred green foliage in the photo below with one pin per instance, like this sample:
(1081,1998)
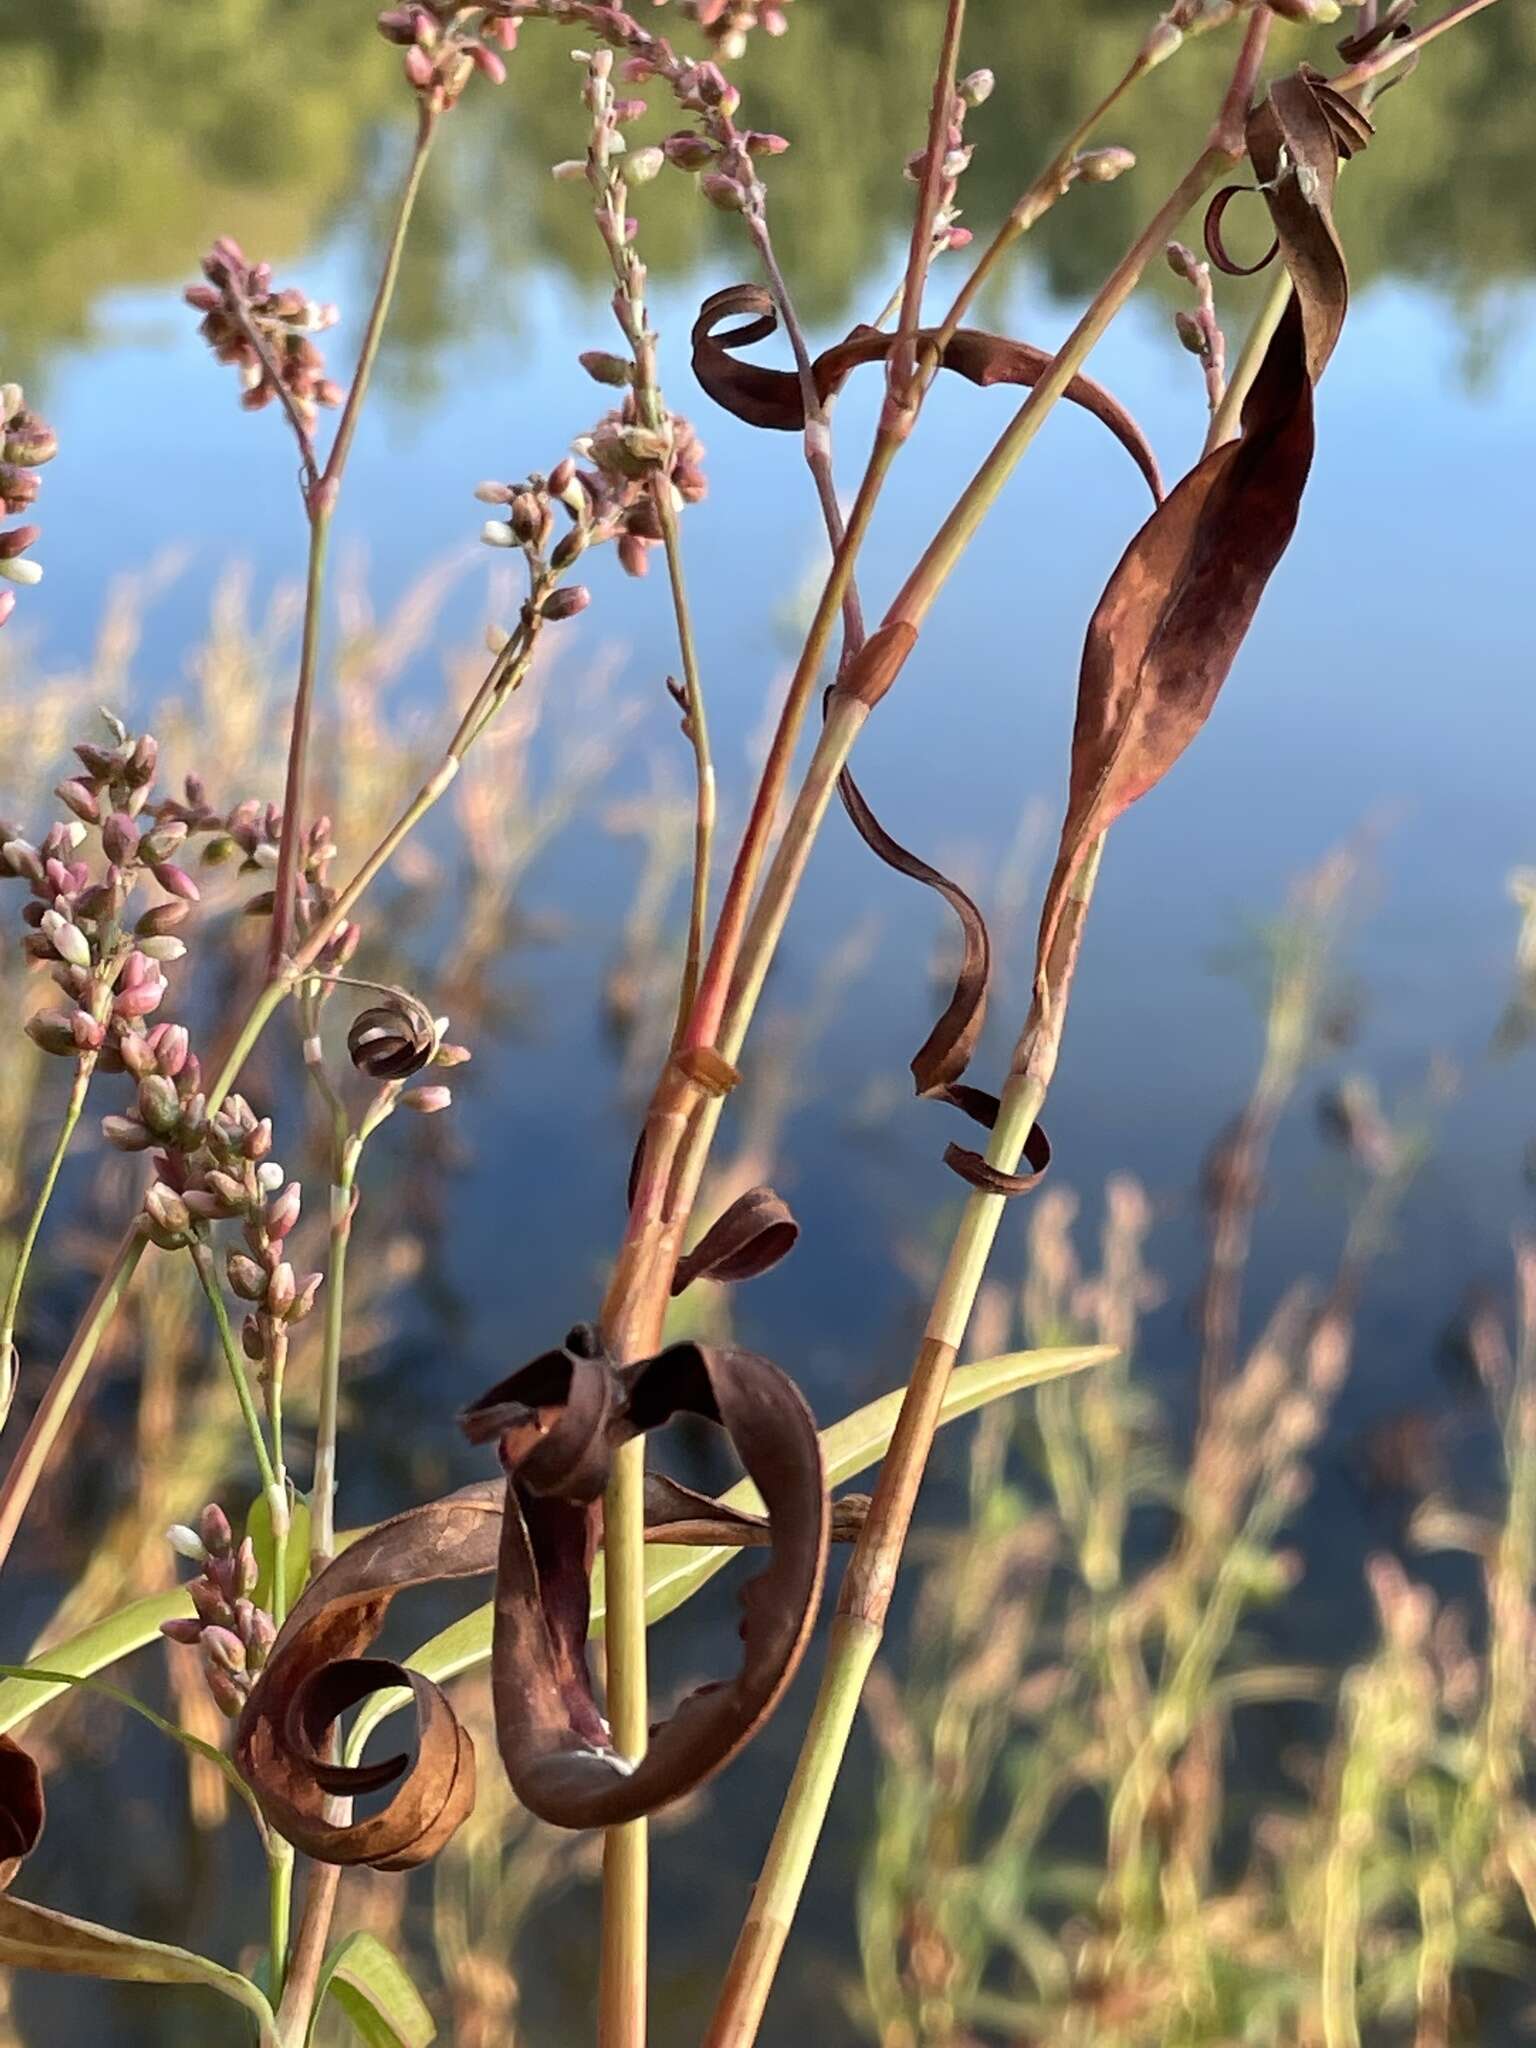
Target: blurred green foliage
(140,129)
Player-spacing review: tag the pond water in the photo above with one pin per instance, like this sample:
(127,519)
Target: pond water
(1384,699)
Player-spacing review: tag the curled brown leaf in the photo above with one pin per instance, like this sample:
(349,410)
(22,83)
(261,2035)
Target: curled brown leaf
(22,1808)
(765,397)
(557,1423)
(1177,607)
(754,1233)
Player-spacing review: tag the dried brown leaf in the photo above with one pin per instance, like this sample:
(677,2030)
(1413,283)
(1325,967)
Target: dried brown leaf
(557,1423)
(754,1233)
(1176,609)
(765,397)
(22,1808)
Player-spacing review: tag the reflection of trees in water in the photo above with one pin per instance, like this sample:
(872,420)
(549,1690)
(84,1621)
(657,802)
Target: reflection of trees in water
(147,126)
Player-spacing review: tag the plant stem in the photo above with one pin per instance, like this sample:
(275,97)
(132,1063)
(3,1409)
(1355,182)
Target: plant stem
(202,1260)
(84,1069)
(279,1909)
(32,1454)
(626,1905)
(1038,198)
(704,767)
(321,502)
(871,1575)
(297,2008)
(322,1498)
(1225,420)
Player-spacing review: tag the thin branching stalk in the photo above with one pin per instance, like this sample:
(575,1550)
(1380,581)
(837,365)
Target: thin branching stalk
(273,1481)
(320,500)
(84,1069)
(31,1458)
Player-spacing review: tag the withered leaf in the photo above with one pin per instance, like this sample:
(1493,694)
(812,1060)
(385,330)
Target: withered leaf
(765,397)
(22,1808)
(979,1172)
(754,1233)
(317,1670)
(1181,599)
(772,398)
(557,1423)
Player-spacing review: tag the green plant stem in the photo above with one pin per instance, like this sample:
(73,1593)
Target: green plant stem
(85,1067)
(626,1904)
(871,1576)
(202,1260)
(31,1458)
(1226,418)
(279,1910)
(322,1498)
(320,500)
(704,767)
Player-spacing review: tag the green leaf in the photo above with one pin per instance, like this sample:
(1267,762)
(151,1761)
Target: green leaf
(37,1938)
(34,1675)
(673,1573)
(93,1649)
(258,1526)
(369,1983)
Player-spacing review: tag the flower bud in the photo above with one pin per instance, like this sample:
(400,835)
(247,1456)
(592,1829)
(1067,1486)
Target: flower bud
(167,1211)
(427,1101)
(159,1105)
(184,1629)
(570,170)
(281,1289)
(176,881)
(643,164)
(689,152)
(213,1526)
(304,1300)
(1190,332)
(284,1212)
(53,1031)
(496,533)
(246,1571)
(29,442)
(126,1134)
(223,1648)
(723,191)
(1101,166)
(976,87)
(1311,13)
(89,1035)
(252,1342)
(81,799)
(67,940)
(166,948)
(187,1543)
(566,603)
(120,838)
(1161,43)
(604,368)
(247,1279)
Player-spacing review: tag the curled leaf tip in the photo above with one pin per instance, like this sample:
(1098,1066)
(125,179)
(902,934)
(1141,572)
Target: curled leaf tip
(553,1739)
(23,1808)
(753,1234)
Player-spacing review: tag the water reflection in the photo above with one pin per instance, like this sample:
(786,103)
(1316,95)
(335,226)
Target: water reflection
(145,130)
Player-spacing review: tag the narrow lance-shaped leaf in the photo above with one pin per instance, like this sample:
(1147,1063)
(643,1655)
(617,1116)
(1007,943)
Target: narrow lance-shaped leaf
(373,1988)
(1175,611)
